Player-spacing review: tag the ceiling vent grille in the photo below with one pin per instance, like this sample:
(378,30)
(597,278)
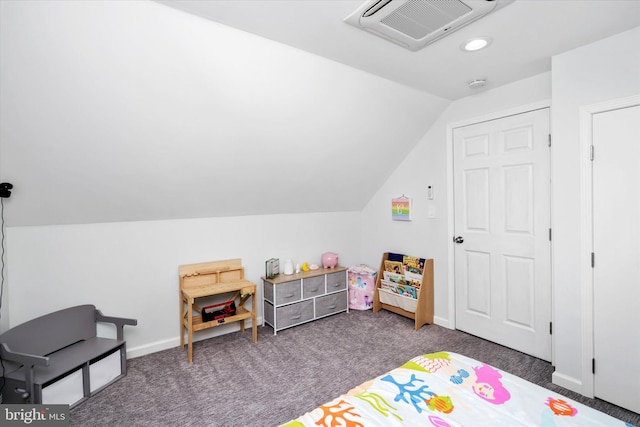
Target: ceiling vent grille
(416,23)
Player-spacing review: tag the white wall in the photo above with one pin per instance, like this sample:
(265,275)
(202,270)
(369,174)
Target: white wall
(135,111)
(126,115)
(606,70)
(427,165)
(130,269)
(50,266)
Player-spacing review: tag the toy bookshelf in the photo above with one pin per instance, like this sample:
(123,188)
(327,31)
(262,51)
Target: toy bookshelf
(420,308)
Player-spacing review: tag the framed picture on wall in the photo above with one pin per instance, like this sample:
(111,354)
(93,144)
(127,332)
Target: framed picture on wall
(401,209)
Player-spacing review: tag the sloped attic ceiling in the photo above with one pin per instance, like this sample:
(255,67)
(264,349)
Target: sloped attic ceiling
(525,35)
(133,110)
(121,111)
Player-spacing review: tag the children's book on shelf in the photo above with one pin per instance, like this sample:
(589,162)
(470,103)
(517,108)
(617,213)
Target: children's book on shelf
(403,275)
(394,277)
(408,291)
(400,288)
(413,279)
(394,267)
(413,264)
(389,286)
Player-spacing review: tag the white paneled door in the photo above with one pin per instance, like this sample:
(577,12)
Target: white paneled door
(502,232)
(616,248)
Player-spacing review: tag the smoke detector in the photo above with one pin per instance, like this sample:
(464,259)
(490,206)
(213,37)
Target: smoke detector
(477,83)
(415,24)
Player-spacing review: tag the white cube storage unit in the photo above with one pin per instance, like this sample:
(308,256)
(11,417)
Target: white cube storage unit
(291,300)
(66,391)
(94,375)
(104,371)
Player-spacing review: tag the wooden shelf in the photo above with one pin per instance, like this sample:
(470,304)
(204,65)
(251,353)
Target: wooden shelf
(243,286)
(241,314)
(424,303)
(282,278)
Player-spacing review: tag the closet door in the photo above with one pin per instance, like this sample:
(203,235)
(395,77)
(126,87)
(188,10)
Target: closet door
(616,246)
(502,219)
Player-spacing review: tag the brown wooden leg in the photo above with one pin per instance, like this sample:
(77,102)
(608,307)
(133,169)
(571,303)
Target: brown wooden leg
(254,317)
(190,327)
(181,312)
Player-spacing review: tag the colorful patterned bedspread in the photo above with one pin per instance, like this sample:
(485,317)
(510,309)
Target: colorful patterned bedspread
(447,389)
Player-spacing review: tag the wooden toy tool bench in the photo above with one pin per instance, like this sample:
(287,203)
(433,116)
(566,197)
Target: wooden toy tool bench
(203,280)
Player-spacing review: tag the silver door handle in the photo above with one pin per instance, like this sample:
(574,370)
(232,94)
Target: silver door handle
(458,239)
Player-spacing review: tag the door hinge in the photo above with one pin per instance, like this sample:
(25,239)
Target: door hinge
(593,260)
(592,153)
(549,234)
(593,366)
(550,328)
(549,140)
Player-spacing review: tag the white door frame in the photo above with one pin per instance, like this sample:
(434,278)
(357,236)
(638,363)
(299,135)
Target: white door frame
(586,230)
(450,196)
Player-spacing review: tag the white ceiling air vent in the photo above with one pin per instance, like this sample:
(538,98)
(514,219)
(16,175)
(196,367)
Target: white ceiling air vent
(417,23)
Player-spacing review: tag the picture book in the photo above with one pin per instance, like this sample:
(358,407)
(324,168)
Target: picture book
(394,277)
(413,264)
(393,267)
(400,289)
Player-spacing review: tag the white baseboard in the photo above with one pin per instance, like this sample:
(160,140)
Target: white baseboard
(442,321)
(152,347)
(568,382)
(168,343)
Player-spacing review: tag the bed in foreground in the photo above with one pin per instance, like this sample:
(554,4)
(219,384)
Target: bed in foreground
(447,389)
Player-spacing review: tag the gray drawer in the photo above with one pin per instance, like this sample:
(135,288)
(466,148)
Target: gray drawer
(268,313)
(330,304)
(287,292)
(293,314)
(336,281)
(313,286)
(267,290)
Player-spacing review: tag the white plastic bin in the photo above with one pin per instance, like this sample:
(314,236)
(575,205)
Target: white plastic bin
(362,281)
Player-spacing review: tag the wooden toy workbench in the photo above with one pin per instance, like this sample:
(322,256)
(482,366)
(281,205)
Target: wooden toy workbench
(209,279)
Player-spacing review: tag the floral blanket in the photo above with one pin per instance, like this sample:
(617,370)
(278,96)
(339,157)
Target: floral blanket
(447,389)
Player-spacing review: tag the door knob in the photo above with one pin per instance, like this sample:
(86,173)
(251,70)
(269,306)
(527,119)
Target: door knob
(458,239)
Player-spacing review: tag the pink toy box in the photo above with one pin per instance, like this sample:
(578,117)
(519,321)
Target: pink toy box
(362,282)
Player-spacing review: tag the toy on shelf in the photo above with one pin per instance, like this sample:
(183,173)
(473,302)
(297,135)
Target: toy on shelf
(329,260)
(218,311)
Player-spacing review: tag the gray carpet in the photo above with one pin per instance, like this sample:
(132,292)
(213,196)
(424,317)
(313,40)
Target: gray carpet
(234,382)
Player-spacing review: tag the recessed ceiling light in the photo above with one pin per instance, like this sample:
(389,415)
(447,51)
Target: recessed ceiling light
(476,43)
